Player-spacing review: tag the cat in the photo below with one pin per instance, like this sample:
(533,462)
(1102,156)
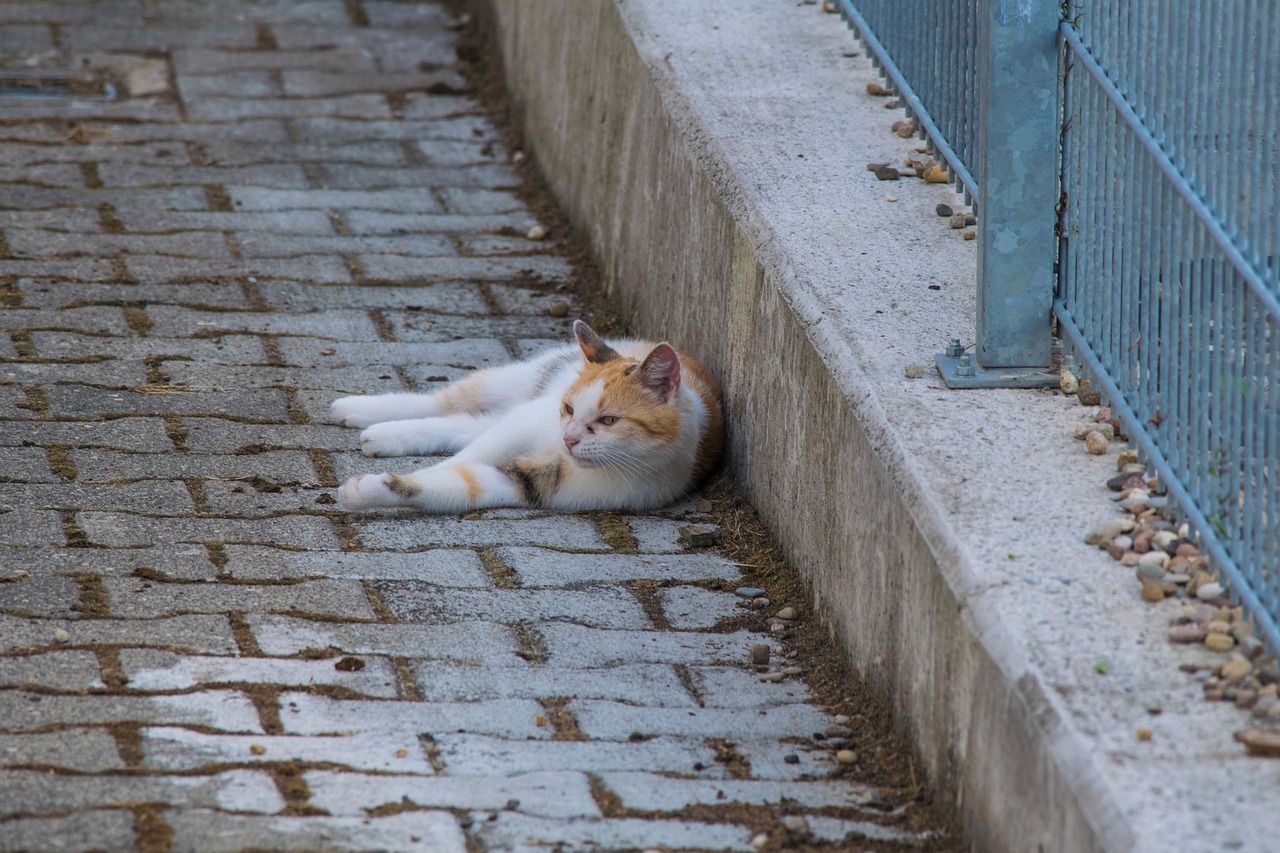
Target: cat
(619,424)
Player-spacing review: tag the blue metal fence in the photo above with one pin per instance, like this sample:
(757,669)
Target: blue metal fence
(1164,152)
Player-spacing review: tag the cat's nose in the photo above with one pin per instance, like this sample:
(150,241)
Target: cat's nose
(571,441)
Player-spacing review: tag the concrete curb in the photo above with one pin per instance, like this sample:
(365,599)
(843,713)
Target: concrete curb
(713,154)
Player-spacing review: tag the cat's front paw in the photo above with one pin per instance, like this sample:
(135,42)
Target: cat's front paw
(392,438)
(366,491)
(353,412)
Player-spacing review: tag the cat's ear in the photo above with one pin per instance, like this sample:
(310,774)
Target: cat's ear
(660,372)
(595,349)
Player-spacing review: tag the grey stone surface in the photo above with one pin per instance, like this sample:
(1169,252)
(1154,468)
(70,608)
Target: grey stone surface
(181,562)
(109,829)
(541,567)
(305,714)
(173,748)
(105,465)
(418,531)
(583,646)
(416,601)
(616,721)
(644,792)
(477,755)
(517,832)
(146,435)
(84,750)
(224,710)
(127,531)
(200,634)
(197,831)
(557,794)
(36,792)
(40,594)
(477,643)
(138,598)
(68,671)
(639,684)
(693,608)
(153,670)
(450,567)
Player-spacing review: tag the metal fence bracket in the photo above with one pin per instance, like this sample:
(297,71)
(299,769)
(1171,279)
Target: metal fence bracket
(961,370)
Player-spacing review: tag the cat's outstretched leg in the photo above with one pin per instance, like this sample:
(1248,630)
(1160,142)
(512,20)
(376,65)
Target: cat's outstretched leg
(366,410)
(446,434)
(449,487)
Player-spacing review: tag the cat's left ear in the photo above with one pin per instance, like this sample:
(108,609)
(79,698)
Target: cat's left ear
(660,372)
(593,347)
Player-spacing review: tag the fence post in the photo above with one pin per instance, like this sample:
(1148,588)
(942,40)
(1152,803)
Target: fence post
(1017,176)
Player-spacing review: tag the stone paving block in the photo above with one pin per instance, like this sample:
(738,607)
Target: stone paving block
(241,84)
(94,319)
(223,710)
(223,349)
(181,562)
(351,176)
(104,465)
(477,755)
(160,198)
(641,684)
(198,60)
(616,721)
(768,758)
(151,669)
(209,435)
(137,598)
(658,535)
(420,531)
(478,200)
(382,152)
(538,567)
(517,833)
(27,38)
(32,243)
(83,219)
(169,321)
(69,671)
(445,567)
(40,594)
(419,105)
(81,401)
(478,643)
(132,109)
(837,830)
(421,356)
(415,327)
(13,403)
(130,531)
(287,246)
(334,130)
(26,465)
(322,269)
(105,374)
(258,497)
(305,714)
(31,528)
(155,39)
(44,174)
(140,219)
(738,687)
(170,748)
(546,794)
(117,133)
(195,634)
(57,294)
(79,832)
(196,831)
(441,297)
(139,434)
(693,608)
(313,83)
(458,152)
(35,792)
(151,496)
(19,154)
(378,222)
(606,607)
(236,109)
(398,200)
(527,302)
(397,268)
(577,645)
(81,750)
(379,380)
(648,792)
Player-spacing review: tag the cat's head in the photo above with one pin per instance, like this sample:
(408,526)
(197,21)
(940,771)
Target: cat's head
(619,410)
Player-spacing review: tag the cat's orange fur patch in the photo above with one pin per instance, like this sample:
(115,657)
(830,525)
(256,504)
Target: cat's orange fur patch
(621,392)
(469,479)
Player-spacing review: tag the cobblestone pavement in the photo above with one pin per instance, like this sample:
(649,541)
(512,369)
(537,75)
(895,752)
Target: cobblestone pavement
(285,202)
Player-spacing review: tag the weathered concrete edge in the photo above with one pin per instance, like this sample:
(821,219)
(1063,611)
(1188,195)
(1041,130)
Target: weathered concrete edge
(607,125)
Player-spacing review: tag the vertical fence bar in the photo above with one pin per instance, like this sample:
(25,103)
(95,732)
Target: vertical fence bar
(1018,181)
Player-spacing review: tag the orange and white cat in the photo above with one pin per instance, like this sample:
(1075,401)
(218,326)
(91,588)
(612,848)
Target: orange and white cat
(623,424)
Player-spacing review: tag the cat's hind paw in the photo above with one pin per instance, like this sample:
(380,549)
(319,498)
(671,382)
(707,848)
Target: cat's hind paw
(395,438)
(353,412)
(366,491)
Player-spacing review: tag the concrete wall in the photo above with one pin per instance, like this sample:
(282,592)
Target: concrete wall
(685,258)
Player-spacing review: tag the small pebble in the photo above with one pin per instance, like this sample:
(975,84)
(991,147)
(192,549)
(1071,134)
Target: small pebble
(887,173)
(1143,733)
(787,613)
(944,210)
(770,677)
(970,235)
(761,841)
(878,90)
(559,308)
(749,591)
(1207,591)
(1096,443)
(1126,457)
(846,756)
(1187,549)
(792,670)
(913,371)
(760,654)
(517,157)
(698,536)
(537,232)
(956,221)
(1152,591)
(703,506)
(1219,642)
(62,636)
(1068,382)
(791,758)
(1154,559)
(842,719)
(760,602)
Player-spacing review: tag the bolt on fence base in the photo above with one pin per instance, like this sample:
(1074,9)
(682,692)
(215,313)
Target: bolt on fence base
(960,369)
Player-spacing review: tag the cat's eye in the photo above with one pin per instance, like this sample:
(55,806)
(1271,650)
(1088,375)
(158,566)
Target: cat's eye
(609,420)
(568,410)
